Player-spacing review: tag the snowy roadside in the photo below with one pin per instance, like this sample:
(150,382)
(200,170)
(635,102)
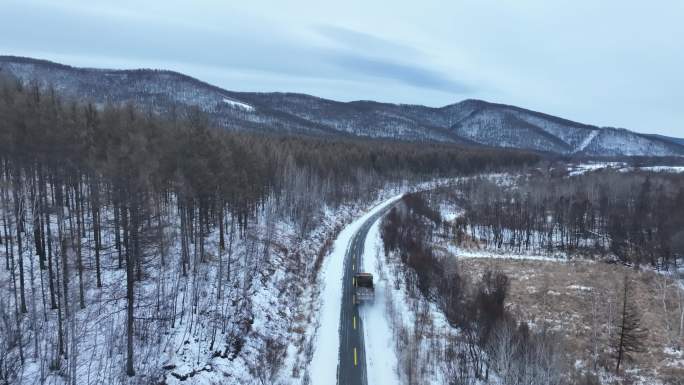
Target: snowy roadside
(381,362)
(404,334)
(323,368)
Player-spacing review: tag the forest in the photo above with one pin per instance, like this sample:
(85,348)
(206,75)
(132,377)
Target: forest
(635,217)
(624,227)
(500,326)
(110,216)
(491,341)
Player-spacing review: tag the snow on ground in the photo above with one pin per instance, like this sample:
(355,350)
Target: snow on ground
(673,169)
(584,168)
(381,362)
(504,254)
(675,357)
(449,211)
(323,368)
(236,104)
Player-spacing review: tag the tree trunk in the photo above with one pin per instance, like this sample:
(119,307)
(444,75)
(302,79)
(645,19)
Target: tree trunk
(78,235)
(19,215)
(130,282)
(95,205)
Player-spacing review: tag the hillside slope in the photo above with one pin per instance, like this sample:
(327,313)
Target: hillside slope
(468,122)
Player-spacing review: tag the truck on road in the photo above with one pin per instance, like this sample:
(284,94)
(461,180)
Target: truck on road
(363,288)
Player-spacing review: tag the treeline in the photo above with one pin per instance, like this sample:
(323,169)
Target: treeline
(637,217)
(92,196)
(490,338)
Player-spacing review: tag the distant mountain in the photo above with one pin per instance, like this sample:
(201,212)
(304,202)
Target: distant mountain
(468,122)
(667,138)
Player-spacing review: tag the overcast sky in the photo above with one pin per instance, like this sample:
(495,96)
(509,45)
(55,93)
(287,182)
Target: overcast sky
(609,62)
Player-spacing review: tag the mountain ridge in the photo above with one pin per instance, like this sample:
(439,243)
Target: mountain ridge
(469,122)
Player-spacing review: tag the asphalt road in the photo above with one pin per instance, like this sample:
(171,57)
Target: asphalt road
(351,369)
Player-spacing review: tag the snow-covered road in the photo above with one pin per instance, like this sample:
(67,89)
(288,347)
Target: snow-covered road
(325,360)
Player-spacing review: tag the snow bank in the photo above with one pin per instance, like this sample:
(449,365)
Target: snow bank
(381,362)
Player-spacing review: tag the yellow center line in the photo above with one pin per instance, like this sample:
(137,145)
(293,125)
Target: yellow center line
(355,359)
(354,322)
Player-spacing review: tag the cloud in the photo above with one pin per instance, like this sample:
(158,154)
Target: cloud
(349,38)
(605,63)
(405,73)
(364,54)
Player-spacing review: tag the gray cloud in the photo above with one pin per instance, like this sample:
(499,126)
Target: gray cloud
(408,74)
(608,63)
(359,40)
(369,55)
(237,48)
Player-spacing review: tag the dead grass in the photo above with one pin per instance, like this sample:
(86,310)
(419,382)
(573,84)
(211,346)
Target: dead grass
(580,300)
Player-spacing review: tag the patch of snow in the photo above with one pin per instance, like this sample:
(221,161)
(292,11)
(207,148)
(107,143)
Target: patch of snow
(580,288)
(236,104)
(674,352)
(586,141)
(672,169)
(584,168)
(449,212)
(495,254)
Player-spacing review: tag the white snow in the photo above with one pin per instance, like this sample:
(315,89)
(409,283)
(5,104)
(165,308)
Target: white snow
(674,352)
(381,360)
(323,368)
(504,254)
(673,169)
(579,288)
(236,104)
(583,168)
(586,141)
(449,212)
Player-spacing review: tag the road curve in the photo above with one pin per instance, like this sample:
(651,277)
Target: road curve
(351,369)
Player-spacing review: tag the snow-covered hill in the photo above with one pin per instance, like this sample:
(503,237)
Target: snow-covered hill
(468,122)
